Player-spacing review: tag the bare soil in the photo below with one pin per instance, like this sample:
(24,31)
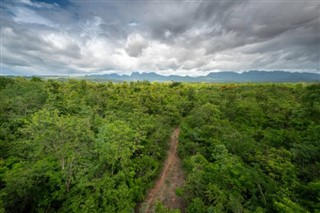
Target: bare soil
(171,177)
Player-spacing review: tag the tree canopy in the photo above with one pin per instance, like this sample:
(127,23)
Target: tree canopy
(80,146)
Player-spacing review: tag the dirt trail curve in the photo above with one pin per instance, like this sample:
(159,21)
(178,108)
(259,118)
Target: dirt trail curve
(170,179)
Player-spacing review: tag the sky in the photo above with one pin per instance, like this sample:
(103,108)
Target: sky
(192,37)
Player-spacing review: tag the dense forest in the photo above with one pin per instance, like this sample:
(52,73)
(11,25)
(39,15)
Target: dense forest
(80,146)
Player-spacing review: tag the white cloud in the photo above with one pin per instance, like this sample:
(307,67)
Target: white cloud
(132,24)
(39,4)
(28,16)
(169,38)
(91,28)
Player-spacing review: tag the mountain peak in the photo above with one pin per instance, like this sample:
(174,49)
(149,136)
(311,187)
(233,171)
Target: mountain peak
(227,76)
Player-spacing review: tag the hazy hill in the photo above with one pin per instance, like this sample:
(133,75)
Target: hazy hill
(250,76)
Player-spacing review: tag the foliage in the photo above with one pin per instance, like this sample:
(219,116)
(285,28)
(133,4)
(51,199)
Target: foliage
(79,146)
(252,148)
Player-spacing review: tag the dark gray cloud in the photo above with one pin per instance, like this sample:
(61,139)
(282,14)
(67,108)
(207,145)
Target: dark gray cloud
(135,45)
(181,37)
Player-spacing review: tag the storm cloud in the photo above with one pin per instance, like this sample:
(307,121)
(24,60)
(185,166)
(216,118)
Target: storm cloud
(167,37)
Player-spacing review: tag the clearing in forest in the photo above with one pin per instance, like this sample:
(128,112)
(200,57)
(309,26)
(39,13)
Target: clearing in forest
(171,178)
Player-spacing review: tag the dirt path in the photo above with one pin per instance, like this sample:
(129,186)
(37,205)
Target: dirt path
(170,179)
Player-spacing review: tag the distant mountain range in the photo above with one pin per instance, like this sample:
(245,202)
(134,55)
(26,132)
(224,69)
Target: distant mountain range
(250,76)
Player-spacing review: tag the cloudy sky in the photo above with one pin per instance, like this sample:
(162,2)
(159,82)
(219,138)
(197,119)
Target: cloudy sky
(193,37)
